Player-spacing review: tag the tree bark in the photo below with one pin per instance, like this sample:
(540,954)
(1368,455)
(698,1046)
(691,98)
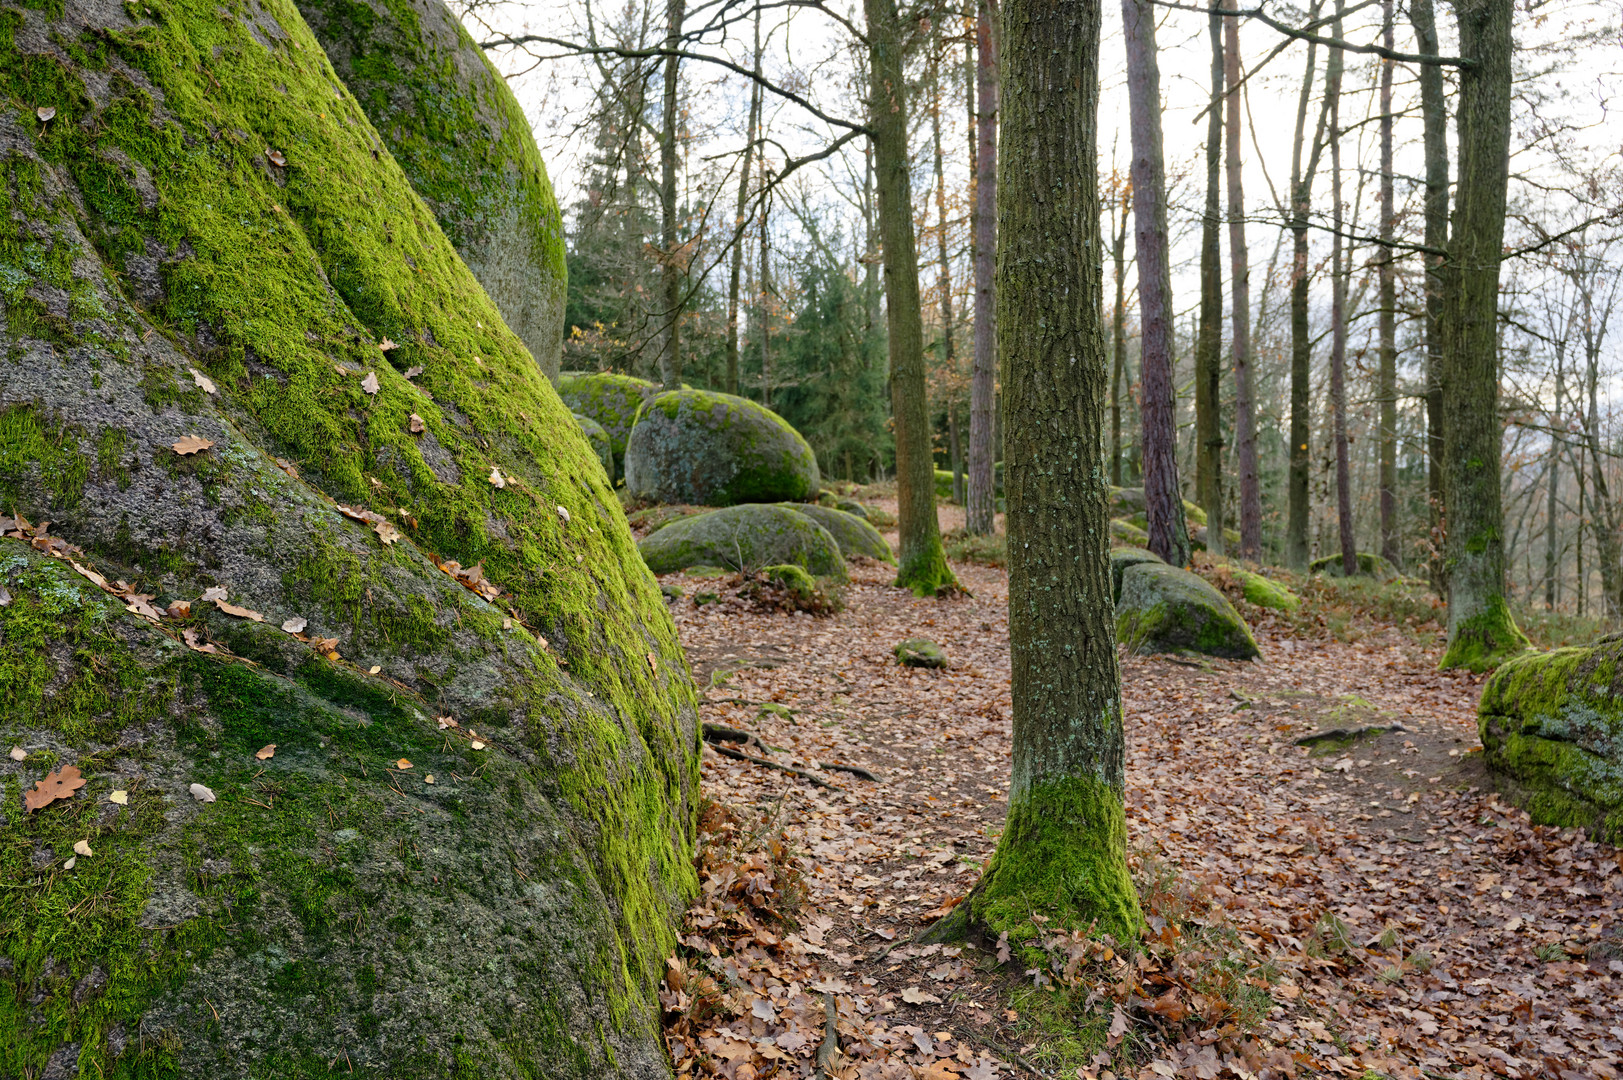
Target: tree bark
(1120,379)
(1209,336)
(1387,389)
(923,562)
(1169,534)
(671,263)
(1339,272)
(1481,631)
(1301,422)
(1245,427)
(1434,118)
(948,354)
(1063,849)
(1557,424)
(981,514)
(737,256)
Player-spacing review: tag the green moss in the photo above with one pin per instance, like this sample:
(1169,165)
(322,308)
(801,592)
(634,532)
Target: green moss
(38,451)
(1063,854)
(1483,641)
(744,537)
(925,571)
(712,449)
(1263,592)
(854,535)
(919,653)
(1166,609)
(793,578)
(610,400)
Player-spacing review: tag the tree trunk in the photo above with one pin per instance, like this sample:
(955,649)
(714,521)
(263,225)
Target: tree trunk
(1557,424)
(1169,534)
(1434,117)
(672,265)
(982,387)
(1481,631)
(1340,269)
(1120,379)
(764,247)
(948,354)
(1245,426)
(737,256)
(1209,336)
(1387,390)
(923,562)
(259,336)
(1301,423)
(1063,849)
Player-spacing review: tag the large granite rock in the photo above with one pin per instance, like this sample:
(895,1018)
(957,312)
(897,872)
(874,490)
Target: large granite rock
(1165,609)
(695,446)
(746,537)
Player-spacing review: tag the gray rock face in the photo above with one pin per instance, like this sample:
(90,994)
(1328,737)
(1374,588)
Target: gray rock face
(854,535)
(610,400)
(694,446)
(601,444)
(448,118)
(1165,609)
(746,537)
(1553,724)
(1123,557)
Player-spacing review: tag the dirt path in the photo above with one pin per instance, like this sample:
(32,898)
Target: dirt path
(1363,905)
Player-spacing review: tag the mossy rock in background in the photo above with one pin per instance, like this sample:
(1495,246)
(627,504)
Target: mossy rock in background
(745,537)
(1552,724)
(1369,565)
(920,653)
(1123,557)
(451,122)
(696,446)
(1197,538)
(793,578)
(599,439)
(611,400)
(654,518)
(943,485)
(852,507)
(1125,532)
(1167,609)
(854,535)
(1126,501)
(166,277)
(1265,592)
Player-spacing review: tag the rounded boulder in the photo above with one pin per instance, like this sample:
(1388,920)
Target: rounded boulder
(695,446)
(611,400)
(1165,609)
(854,535)
(744,538)
(1123,557)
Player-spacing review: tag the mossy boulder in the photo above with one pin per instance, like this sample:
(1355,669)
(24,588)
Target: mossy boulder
(696,446)
(745,537)
(943,485)
(612,401)
(1552,724)
(1126,501)
(599,439)
(1197,538)
(1265,592)
(1369,565)
(1125,532)
(854,535)
(1123,557)
(852,507)
(209,239)
(1167,609)
(793,578)
(920,653)
(450,121)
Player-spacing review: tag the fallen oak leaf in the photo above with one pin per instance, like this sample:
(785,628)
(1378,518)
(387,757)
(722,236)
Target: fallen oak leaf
(201,792)
(57,785)
(191,637)
(387,532)
(370,383)
(82,848)
(191,444)
(179,609)
(445,722)
(413,371)
(86,572)
(239,612)
(121,797)
(204,383)
(138,603)
(416,425)
(914,996)
(19,754)
(386,344)
(265,753)
(213,593)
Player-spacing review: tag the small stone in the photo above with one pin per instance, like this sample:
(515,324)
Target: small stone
(920,653)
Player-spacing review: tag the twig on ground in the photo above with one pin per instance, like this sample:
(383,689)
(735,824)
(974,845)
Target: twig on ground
(831,1040)
(855,770)
(810,777)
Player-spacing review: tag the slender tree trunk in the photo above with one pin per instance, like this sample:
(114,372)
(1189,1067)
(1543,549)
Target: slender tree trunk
(1301,424)
(1481,631)
(1063,850)
(1388,379)
(672,265)
(923,562)
(1120,381)
(948,354)
(1434,118)
(1603,521)
(1338,312)
(1209,336)
(1551,548)
(982,386)
(764,247)
(737,256)
(1169,534)
(1245,425)
(1578,534)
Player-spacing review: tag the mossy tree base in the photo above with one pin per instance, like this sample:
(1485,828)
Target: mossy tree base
(926,572)
(1483,641)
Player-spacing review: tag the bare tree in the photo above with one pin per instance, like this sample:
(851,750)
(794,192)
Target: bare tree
(1209,336)
(1245,427)
(982,389)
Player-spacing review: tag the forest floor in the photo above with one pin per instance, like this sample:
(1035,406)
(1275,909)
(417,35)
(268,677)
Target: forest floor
(1361,907)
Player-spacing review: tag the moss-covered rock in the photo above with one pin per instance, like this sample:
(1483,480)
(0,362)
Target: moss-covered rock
(1123,557)
(943,485)
(601,445)
(1369,565)
(746,537)
(852,507)
(1167,609)
(1126,501)
(447,116)
(696,446)
(1123,531)
(611,400)
(854,535)
(1265,592)
(920,653)
(210,239)
(1553,724)
(793,578)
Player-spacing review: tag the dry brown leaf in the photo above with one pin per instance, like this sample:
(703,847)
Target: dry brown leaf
(265,753)
(179,609)
(120,797)
(477,744)
(277,158)
(73,860)
(18,754)
(140,604)
(202,792)
(445,722)
(204,383)
(192,638)
(57,785)
(387,532)
(214,593)
(46,113)
(402,764)
(414,371)
(429,779)
(653,664)
(239,612)
(416,425)
(86,572)
(287,466)
(563,512)
(82,847)
(370,383)
(386,345)
(914,996)
(496,478)
(295,625)
(374,669)
(191,444)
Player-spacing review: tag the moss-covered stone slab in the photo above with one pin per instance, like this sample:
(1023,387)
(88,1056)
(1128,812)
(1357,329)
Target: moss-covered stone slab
(601,444)
(1369,565)
(1123,557)
(746,537)
(1125,532)
(1167,609)
(210,240)
(609,399)
(854,535)
(450,121)
(1552,723)
(696,446)
(920,653)
(1265,592)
